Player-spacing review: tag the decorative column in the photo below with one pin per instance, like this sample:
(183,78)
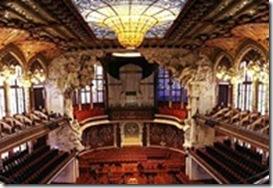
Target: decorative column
(254,89)
(78,94)
(27,99)
(7,98)
(234,94)
(115,135)
(181,99)
(32,100)
(148,134)
(29,146)
(267,97)
(68,104)
(170,94)
(91,97)
(230,94)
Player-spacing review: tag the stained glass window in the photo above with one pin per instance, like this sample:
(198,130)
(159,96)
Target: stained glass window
(18,104)
(97,88)
(98,85)
(85,95)
(169,89)
(244,94)
(261,98)
(2,100)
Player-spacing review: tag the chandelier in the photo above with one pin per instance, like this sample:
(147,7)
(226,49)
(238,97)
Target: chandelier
(130,20)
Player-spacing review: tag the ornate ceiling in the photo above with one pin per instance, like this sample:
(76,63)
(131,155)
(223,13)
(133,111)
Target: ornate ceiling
(50,27)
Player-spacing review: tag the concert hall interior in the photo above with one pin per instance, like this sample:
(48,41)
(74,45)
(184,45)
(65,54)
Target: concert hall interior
(134,92)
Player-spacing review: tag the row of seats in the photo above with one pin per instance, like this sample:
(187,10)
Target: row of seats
(19,122)
(232,162)
(33,167)
(42,172)
(19,163)
(134,178)
(10,160)
(253,121)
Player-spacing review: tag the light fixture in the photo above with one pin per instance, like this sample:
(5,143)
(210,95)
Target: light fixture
(126,54)
(130,20)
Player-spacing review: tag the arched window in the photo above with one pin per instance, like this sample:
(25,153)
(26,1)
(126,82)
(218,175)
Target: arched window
(169,89)
(2,99)
(17,94)
(224,81)
(250,67)
(244,97)
(13,74)
(37,90)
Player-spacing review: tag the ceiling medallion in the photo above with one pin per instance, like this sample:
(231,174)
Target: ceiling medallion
(130,21)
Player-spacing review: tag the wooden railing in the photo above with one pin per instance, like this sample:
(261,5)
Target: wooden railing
(28,134)
(217,176)
(59,168)
(252,137)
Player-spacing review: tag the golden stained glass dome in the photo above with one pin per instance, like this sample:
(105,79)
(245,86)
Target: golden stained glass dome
(130,21)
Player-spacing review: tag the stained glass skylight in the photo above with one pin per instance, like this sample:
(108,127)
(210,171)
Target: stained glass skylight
(129,20)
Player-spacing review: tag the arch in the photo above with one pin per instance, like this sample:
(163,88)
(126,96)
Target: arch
(40,59)
(15,52)
(246,47)
(219,57)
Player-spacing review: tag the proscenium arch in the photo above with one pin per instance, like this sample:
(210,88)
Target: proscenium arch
(246,47)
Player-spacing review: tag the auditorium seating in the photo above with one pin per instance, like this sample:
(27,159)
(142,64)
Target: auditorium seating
(236,163)
(131,165)
(32,168)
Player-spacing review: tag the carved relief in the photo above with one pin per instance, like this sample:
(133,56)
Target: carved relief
(98,136)
(166,135)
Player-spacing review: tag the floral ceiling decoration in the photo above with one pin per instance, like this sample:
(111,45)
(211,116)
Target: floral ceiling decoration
(129,20)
